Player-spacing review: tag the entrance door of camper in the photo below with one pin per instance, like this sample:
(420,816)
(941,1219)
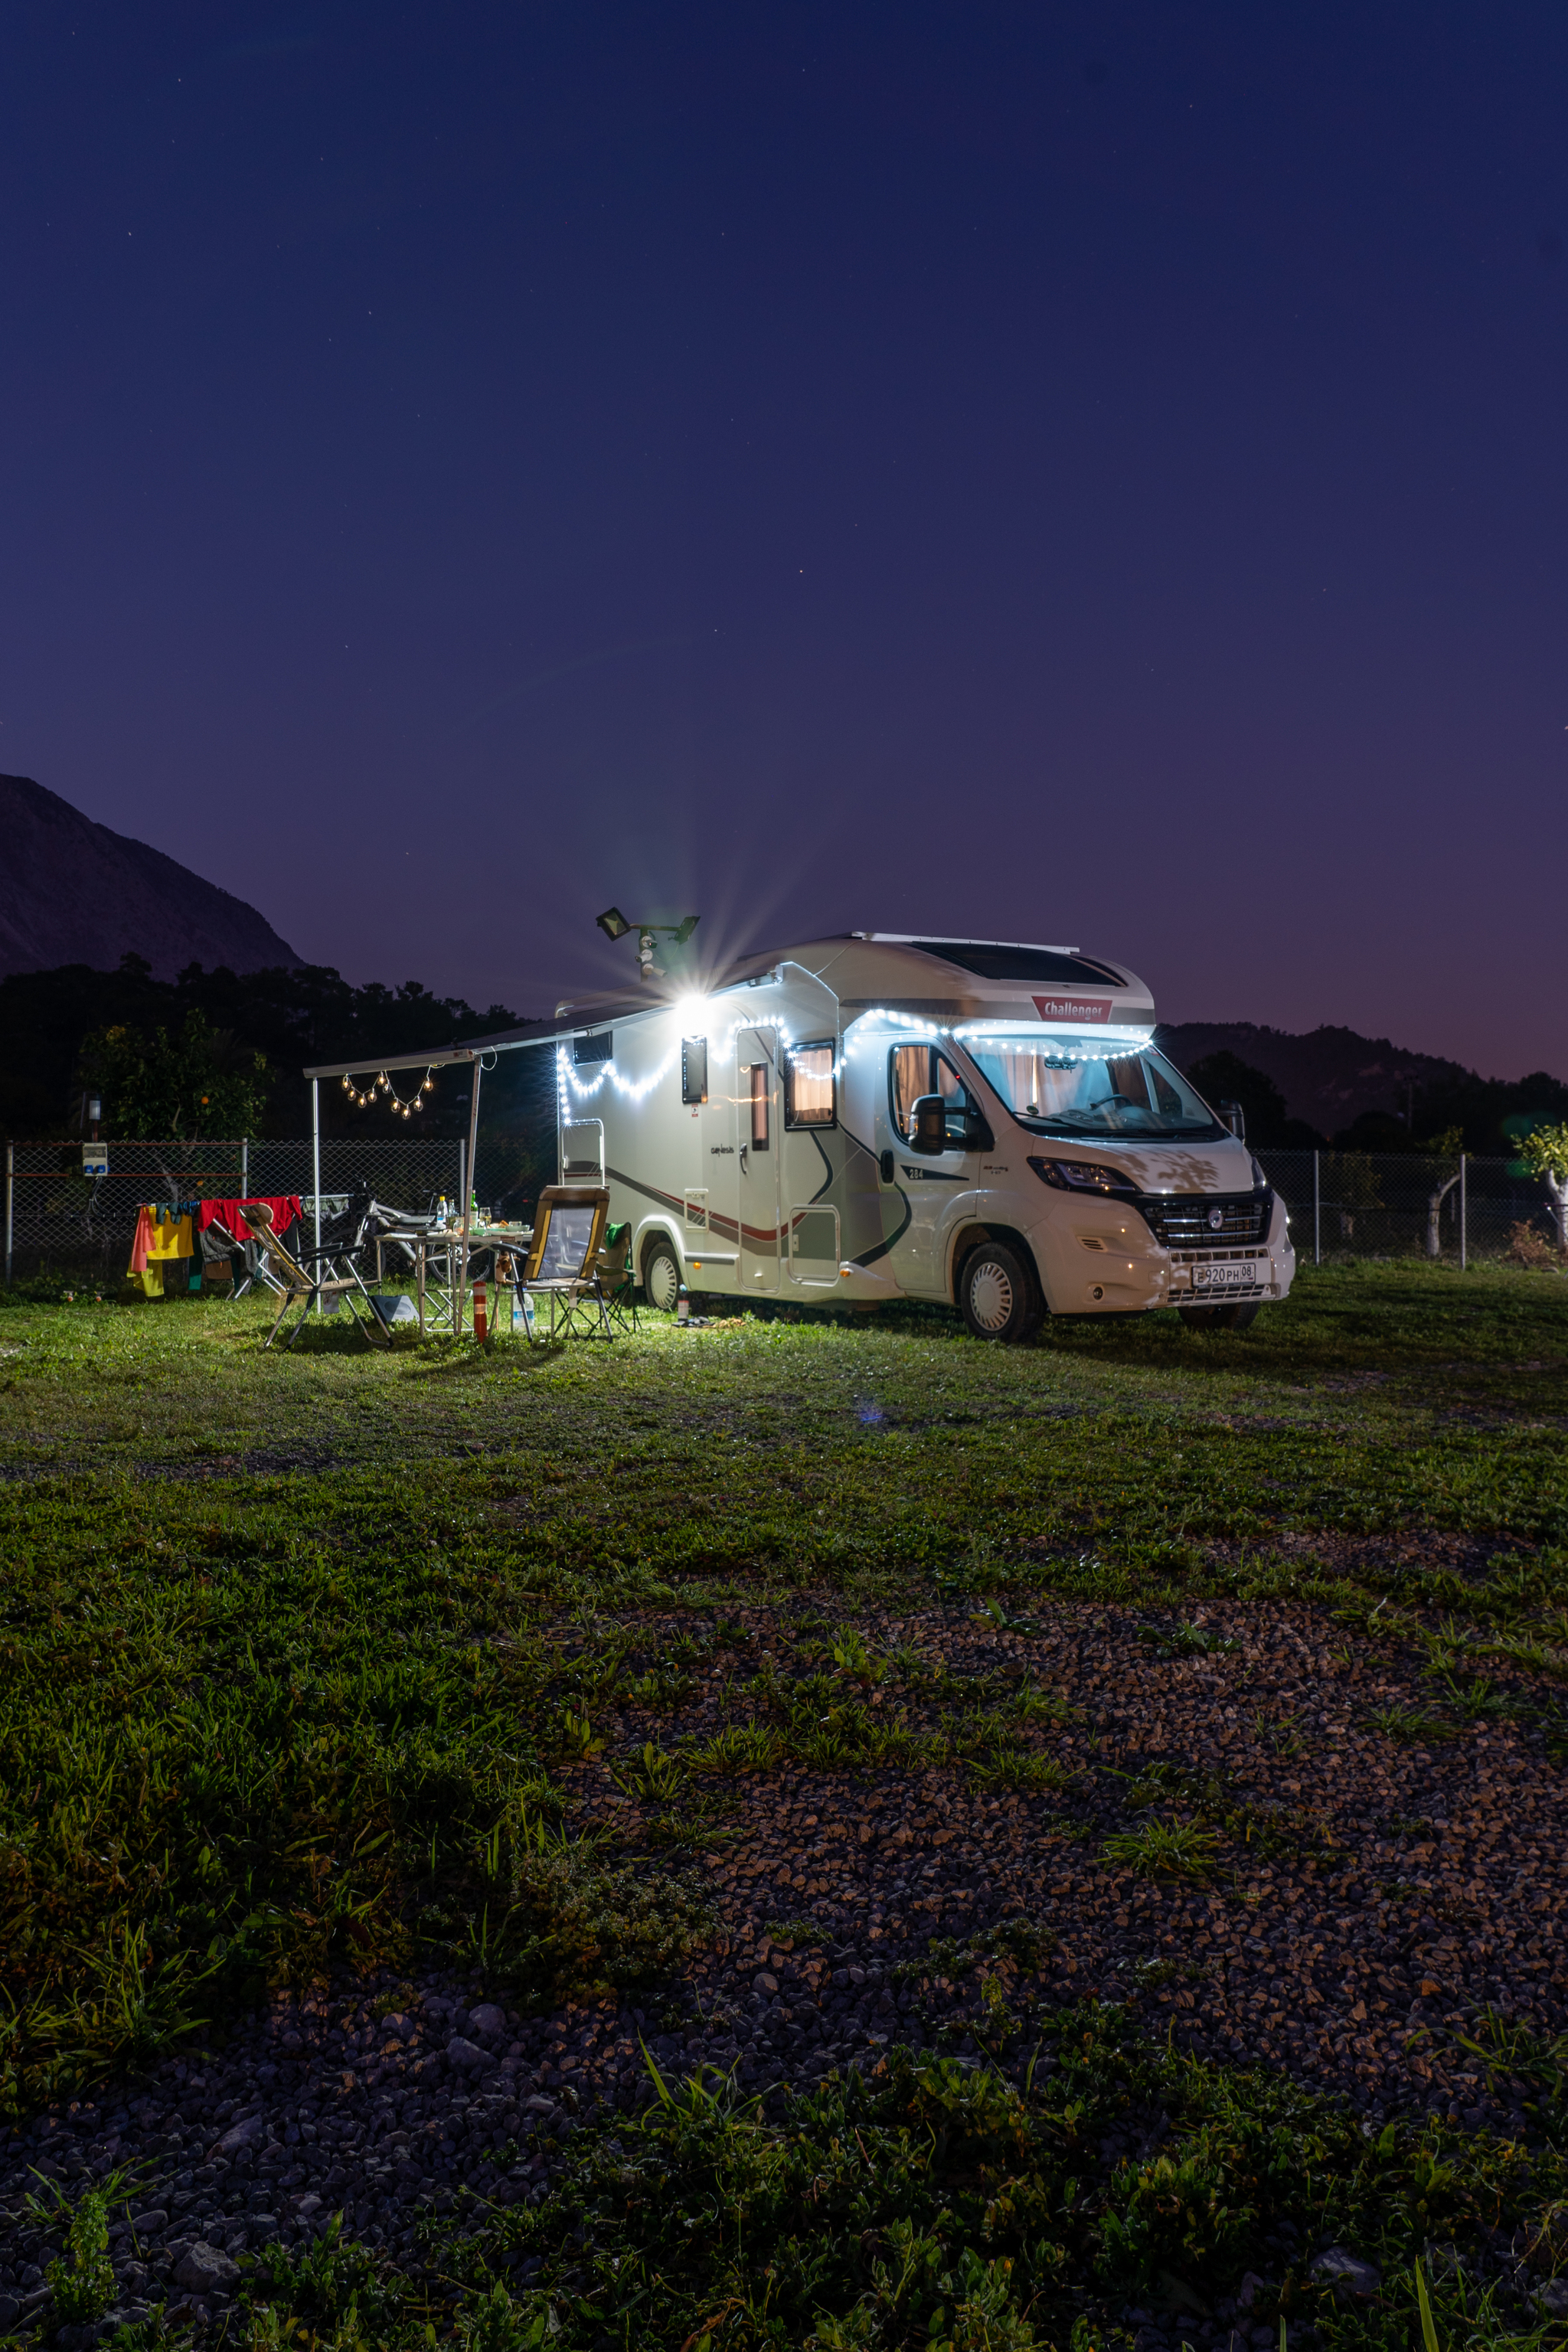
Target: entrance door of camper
(759,1142)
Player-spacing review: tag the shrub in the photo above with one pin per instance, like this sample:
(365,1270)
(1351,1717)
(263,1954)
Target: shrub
(1528,1245)
(655,1775)
(590,1928)
(740,1748)
(1411,1723)
(1185,1848)
(81,2279)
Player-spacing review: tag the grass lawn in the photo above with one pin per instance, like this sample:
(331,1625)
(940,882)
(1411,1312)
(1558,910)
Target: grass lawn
(546,1668)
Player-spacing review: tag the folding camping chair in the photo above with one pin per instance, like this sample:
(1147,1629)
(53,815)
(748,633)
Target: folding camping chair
(613,1273)
(568,1233)
(325,1282)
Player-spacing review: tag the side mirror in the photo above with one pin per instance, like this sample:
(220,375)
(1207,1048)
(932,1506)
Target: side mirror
(1235,1119)
(927,1124)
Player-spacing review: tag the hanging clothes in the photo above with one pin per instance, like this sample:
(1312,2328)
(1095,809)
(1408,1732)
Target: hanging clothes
(141,1242)
(173,1236)
(146,1268)
(285,1207)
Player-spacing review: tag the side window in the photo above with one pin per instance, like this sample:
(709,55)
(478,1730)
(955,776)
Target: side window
(809,1086)
(761,1073)
(694,1069)
(961,1106)
(908,1075)
(916,1070)
(1168,1101)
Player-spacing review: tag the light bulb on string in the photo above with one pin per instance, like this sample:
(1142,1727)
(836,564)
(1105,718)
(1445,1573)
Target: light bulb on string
(382,1085)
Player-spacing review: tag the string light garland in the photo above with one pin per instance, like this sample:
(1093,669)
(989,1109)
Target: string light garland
(382,1084)
(867,1032)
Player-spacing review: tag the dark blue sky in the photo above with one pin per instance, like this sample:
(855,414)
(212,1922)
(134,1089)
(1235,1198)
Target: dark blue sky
(1075,473)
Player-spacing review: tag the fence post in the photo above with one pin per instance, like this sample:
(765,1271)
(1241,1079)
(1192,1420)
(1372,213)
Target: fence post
(245,1168)
(1464,1219)
(1317,1217)
(10,1189)
(462,1177)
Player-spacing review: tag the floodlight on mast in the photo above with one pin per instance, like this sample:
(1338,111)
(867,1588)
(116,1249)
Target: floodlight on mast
(615,926)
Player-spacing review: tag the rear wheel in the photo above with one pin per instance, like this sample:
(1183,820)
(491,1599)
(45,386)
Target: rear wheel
(661,1275)
(997,1296)
(1221,1319)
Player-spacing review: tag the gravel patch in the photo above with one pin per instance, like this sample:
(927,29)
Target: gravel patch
(258,1460)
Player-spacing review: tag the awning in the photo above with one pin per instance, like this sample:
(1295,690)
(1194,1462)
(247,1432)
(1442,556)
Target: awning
(436,1057)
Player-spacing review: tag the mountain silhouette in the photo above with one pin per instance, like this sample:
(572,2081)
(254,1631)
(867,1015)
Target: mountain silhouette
(1328,1077)
(74,892)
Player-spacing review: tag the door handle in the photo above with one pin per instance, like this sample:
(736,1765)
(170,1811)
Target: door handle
(743,1160)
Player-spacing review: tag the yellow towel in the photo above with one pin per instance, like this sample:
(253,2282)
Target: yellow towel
(171,1238)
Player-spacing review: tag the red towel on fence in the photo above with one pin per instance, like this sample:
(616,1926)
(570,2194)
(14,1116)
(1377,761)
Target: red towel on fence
(285,1207)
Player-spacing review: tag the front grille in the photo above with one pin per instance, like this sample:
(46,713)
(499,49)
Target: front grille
(1183,1220)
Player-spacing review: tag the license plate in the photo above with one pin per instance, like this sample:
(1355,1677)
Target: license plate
(1225,1277)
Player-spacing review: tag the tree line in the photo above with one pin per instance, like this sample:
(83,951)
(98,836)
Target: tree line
(1489,1117)
(221,1054)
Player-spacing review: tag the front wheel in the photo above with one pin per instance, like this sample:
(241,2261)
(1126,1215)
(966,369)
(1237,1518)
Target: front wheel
(997,1296)
(1221,1319)
(661,1276)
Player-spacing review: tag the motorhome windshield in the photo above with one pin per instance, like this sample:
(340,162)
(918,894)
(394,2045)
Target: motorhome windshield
(1093,1087)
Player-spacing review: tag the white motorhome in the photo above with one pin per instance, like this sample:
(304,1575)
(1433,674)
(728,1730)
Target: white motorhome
(875,1117)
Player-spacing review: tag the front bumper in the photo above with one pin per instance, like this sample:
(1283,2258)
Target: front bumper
(1215,1277)
(1101,1261)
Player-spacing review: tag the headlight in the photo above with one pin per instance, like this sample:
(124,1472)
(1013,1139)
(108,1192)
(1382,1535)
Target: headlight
(1259,1180)
(1079,1175)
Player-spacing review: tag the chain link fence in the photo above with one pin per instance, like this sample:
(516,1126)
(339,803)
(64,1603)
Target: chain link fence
(61,1220)
(1342,1205)
(1348,1204)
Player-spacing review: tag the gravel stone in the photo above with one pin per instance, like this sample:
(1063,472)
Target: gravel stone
(204,2269)
(241,2135)
(1348,2274)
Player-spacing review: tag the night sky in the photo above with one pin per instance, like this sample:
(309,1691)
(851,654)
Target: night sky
(1069,473)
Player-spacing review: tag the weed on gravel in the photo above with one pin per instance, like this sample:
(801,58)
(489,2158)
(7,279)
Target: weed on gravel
(1102,2191)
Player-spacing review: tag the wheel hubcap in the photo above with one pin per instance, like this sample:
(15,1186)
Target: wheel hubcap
(991,1299)
(664,1283)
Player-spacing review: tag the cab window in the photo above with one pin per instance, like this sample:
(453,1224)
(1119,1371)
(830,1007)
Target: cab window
(916,1070)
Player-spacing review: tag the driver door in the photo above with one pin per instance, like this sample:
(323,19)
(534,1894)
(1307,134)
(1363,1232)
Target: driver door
(938,1187)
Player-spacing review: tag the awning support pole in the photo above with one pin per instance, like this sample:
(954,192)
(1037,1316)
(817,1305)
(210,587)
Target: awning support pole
(316,1180)
(469,1189)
